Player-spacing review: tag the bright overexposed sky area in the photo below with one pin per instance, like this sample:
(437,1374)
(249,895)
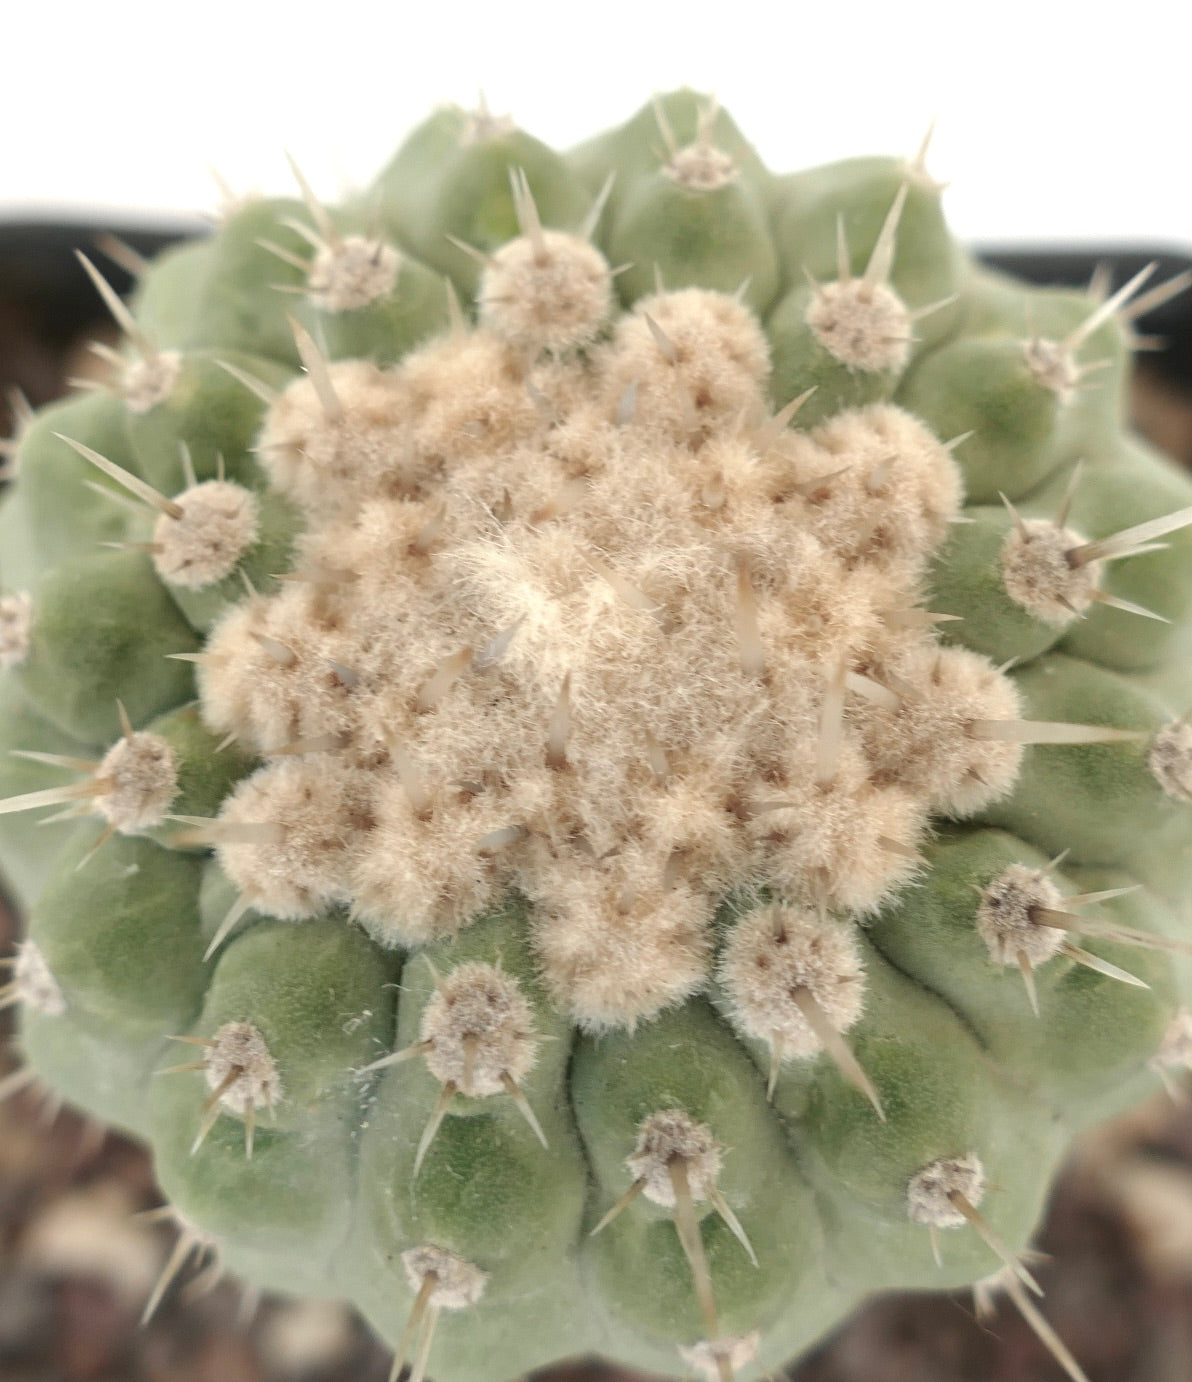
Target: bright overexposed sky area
(1055,122)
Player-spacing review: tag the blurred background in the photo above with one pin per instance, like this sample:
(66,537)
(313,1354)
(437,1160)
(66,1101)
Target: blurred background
(1056,130)
(1054,122)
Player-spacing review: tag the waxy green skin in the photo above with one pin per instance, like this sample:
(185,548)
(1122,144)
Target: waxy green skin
(104,624)
(330,1198)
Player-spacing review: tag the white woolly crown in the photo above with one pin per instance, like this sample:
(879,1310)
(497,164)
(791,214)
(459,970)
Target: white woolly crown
(583,620)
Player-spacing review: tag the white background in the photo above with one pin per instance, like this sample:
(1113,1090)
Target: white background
(1055,121)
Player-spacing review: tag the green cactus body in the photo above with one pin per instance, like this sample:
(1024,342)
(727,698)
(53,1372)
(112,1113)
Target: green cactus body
(568,862)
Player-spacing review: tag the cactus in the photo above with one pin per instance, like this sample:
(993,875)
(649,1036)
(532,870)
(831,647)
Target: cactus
(624,724)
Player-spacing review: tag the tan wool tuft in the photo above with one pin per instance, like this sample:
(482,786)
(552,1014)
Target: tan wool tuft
(926,745)
(736,486)
(140,774)
(150,380)
(1038,576)
(701,167)
(480,1029)
(704,361)
(384,543)
(1175,1049)
(36,987)
(276,677)
(220,521)
(238,1049)
(352,273)
(777,949)
(688,821)
(329,461)
(709,1356)
(16,618)
(1006,920)
(616,944)
(824,845)
(1052,365)
(423,871)
(928,1195)
(1170,759)
(466,395)
(303,821)
(224,677)
(550,292)
(823,612)
(458,1284)
(890,492)
(666,1136)
(864,326)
